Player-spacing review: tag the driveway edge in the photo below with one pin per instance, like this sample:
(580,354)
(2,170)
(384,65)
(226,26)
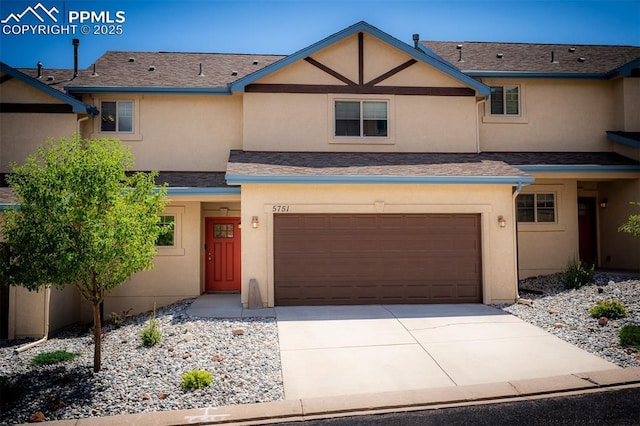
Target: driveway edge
(340,406)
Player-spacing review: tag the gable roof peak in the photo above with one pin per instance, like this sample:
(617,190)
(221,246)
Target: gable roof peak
(421,55)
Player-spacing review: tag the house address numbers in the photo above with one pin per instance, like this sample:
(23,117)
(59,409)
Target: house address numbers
(280,208)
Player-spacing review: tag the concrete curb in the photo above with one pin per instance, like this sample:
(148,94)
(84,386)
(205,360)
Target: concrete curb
(341,406)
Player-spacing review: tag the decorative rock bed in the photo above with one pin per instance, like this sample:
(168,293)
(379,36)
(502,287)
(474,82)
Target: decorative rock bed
(243,356)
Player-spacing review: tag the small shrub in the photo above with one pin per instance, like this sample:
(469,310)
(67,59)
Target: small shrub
(196,379)
(151,334)
(55,357)
(577,274)
(611,309)
(630,335)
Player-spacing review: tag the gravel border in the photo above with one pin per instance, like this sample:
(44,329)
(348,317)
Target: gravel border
(243,355)
(565,313)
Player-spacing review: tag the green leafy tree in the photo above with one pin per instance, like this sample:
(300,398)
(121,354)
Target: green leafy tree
(632,225)
(82,221)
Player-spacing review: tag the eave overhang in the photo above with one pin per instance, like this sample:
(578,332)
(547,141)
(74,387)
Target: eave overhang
(187,191)
(577,168)
(624,138)
(377,179)
(77,106)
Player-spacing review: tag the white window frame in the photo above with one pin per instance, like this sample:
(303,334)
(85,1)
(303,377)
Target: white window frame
(177,249)
(521,117)
(163,215)
(133,135)
(535,208)
(361,140)
(505,95)
(117,119)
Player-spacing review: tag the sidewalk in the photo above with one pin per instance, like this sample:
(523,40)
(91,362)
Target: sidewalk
(343,406)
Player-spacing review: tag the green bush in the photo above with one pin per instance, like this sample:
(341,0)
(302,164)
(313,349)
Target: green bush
(196,379)
(577,274)
(630,335)
(55,357)
(611,309)
(151,334)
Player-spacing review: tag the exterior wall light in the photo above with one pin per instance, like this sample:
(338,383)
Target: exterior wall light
(255,222)
(603,203)
(502,222)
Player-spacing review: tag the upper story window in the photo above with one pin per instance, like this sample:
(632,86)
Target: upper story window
(117,116)
(505,100)
(355,118)
(536,208)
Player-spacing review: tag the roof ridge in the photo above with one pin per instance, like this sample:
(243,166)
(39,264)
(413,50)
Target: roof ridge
(528,43)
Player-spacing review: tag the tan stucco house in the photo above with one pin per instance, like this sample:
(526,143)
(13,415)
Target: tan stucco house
(358,170)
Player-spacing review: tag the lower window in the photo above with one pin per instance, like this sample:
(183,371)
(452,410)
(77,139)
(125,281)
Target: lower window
(536,208)
(167,237)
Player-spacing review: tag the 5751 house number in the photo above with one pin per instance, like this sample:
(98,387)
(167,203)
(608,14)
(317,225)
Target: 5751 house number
(280,208)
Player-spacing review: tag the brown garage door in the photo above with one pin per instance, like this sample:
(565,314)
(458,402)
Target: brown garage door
(338,259)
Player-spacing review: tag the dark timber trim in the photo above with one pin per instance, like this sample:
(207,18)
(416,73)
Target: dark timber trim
(36,108)
(389,73)
(329,71)
(360,59)
(360,88)
(5,77)
(373,90)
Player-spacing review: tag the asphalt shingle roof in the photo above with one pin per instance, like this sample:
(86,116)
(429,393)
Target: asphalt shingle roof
(531,57)
(364,164)
(170,69)
(192,179)
(372,164)
(267,163)
(181,69)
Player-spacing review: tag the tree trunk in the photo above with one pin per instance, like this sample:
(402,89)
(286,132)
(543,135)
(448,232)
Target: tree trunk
(97,338)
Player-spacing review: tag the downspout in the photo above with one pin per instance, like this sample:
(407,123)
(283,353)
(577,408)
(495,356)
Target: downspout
(517,191)
(47,297)
(478,124)
(78,124)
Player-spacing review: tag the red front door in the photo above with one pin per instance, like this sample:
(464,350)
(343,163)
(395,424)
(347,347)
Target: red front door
(222,254)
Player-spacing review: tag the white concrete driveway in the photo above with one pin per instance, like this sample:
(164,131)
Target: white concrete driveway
(346,350)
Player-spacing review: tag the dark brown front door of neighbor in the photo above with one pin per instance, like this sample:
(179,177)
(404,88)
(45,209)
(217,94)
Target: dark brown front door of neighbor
(4,301)
(330,259)
(587,229)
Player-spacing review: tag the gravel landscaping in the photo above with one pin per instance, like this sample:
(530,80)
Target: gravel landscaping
(565,313)
(243,355)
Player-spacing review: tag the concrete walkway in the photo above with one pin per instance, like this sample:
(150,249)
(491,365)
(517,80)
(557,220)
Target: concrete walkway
(225,305)
(349,350)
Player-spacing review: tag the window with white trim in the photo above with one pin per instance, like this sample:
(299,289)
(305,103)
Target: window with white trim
(360,118)
(505,100)
(167,236)
(536,208)
(169,242)
(116,116)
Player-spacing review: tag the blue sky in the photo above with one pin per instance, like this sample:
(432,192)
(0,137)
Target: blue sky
(283,27)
